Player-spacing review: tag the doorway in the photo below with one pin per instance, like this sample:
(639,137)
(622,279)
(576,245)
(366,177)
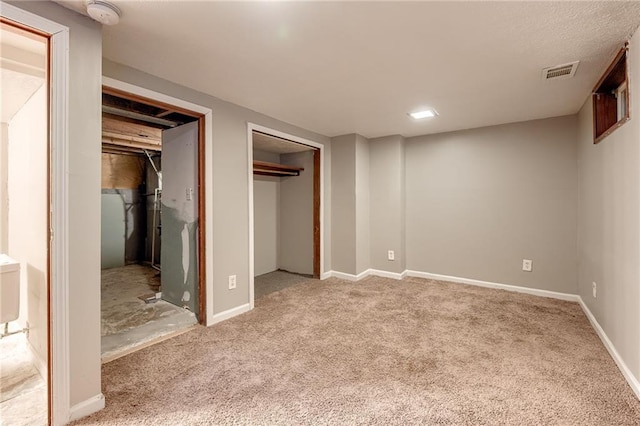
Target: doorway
(24,226)
(285,202)
(152,283)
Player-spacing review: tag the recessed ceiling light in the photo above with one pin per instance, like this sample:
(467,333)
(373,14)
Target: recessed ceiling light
(423,114)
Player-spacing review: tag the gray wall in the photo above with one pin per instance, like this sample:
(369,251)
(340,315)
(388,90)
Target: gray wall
(230,251)
(609,223)
(362,204)
(343,213)
(296,215)
(479,201)
(387,212)
(266,217)
(85,68)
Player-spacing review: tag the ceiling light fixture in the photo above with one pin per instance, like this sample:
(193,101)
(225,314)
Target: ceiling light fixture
(103,12)
(423,114)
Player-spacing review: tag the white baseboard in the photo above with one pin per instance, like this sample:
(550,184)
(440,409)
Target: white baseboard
(230,313)
(350,277)
(387,274)
(488,284)
(628,375)
(325,275)
(365,274)
(86,407)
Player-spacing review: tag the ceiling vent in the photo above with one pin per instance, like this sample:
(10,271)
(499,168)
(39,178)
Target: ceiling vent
(560,72)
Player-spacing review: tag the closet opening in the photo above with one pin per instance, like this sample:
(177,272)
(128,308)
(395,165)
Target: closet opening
(286,213)
(152,280)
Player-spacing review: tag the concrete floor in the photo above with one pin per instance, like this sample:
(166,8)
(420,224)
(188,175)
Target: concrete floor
(23,392)
(127,321)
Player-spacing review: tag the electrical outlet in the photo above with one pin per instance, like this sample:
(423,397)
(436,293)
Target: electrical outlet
(189,194)
(594,286)
(391,255)
(527,265)
(232,282)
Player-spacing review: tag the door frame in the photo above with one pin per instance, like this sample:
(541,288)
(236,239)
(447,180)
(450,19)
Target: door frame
(318,208)
(205,179)
(58,364)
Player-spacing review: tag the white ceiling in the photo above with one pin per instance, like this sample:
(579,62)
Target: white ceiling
(345,67)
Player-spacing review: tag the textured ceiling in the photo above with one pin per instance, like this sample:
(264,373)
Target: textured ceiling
(344,67)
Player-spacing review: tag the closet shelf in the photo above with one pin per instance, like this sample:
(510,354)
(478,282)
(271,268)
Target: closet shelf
(274,169)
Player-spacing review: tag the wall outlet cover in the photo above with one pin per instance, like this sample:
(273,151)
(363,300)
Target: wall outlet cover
(232,282)
(391,255)
(527,265)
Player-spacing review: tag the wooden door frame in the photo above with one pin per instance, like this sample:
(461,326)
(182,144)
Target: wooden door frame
(318,200)
(204,115)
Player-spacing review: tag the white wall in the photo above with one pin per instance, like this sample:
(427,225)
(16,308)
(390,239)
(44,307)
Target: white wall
(4,190)
(27,219)
(85,97)
(609,222)
(479,201)
(296,215)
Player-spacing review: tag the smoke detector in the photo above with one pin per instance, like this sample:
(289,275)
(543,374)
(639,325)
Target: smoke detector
(103,12)
(560,72)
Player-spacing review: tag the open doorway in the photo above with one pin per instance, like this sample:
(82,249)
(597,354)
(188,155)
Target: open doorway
(24,226)
(152,285)
(286,212)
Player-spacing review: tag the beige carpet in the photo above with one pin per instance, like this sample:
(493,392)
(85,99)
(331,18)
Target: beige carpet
(381,352)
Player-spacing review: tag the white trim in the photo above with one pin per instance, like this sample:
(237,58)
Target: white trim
(325,275)
(350,277)
(387,274)
(208,171)
(59,258)
(488,284)
(624,369)
(87,407)
(250,128)
(230,313)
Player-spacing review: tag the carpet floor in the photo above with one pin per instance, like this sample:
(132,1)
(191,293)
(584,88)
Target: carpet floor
(276,281)
(378,351)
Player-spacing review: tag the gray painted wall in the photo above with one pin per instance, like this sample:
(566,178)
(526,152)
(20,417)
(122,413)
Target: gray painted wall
(343,213)
(387,212)
(296,215)
(609,223)
(85,97)
(362,205)
(479,201)
(230,251)
(266,217)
